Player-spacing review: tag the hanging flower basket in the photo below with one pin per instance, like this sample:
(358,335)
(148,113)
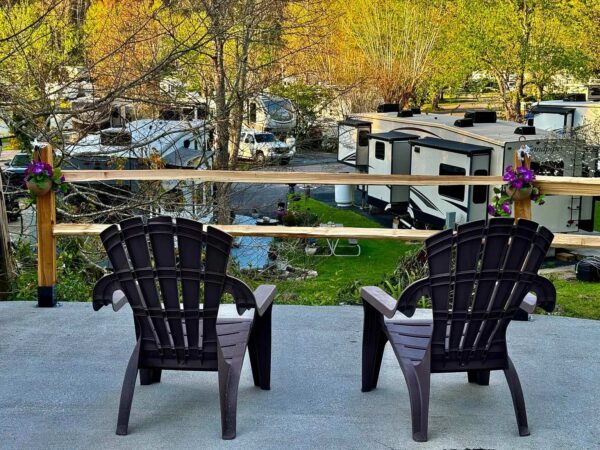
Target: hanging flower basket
(520,194)
(519,186)
(41,178)
(39,188)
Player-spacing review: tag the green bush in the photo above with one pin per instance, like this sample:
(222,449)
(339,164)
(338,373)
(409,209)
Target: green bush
(76,274)
(412,266)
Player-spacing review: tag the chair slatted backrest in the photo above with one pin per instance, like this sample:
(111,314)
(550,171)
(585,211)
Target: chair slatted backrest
(478,278)
(161,270)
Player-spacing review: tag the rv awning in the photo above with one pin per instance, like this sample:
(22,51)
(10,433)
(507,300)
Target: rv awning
(392,136)
(452,146)
(181,157)
(541,109)
(354,122)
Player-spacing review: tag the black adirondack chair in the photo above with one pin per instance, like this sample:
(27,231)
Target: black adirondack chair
(163,269)
(478,279)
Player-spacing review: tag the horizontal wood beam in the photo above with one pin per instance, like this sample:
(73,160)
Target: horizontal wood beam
(549,185)
(561,240)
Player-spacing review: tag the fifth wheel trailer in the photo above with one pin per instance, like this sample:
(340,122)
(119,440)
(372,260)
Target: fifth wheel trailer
(551,156)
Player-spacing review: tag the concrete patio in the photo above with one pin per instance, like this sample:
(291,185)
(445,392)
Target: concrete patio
(61,371)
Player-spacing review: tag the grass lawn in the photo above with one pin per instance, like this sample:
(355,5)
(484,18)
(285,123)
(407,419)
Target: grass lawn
(577,299)
(597,216)
(339,277)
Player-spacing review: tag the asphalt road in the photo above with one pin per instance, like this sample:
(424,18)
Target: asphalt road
(264,197)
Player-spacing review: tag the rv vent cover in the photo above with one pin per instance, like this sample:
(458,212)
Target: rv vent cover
(388,107)
(416,110)
(405,113)
(575,97)
(463,123)
(525,131)
(482,116)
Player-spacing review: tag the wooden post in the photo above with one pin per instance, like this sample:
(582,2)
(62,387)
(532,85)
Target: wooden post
(522,207)
(522,210)
(46,242)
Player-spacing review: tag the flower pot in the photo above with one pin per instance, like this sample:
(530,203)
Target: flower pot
(519,194)
(41,188)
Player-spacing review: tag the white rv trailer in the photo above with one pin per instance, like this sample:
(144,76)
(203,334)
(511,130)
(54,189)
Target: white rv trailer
(353,143)
(389,153)
(551,156)
(560,116)
(180,144)
(431,204)
(270,113)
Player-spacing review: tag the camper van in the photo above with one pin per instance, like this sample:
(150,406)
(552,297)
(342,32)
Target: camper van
(550,155)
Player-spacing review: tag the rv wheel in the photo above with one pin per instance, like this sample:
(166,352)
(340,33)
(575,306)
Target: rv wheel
(260,158)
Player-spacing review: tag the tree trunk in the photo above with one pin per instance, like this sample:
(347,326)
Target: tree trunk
(540,92)
(6,263)
(222,207)
(435,99)
(519,94)
(504,95)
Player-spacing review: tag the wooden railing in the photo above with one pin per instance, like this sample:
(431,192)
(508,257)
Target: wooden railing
(48,230)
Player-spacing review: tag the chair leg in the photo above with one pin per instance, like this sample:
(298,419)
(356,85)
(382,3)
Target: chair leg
(517,396)
(127,391)
(418,382)
(259,350)
(374,340)
(481,377)
(150,376)
(229,379)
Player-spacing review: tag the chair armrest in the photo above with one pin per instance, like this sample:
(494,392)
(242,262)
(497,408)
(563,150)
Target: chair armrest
(545,296)
(241,293)
(380,300)
(107,291)
(264,295)
(407,303)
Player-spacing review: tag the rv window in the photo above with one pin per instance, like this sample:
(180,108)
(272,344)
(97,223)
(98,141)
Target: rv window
(363,139)
(379,150)
(480,192)
(252,113)
(455,192)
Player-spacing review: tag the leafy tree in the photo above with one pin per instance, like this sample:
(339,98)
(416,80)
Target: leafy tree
(521,42)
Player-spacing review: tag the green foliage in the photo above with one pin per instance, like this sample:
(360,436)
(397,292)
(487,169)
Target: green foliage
(76,275)
(309,100)
(411,267)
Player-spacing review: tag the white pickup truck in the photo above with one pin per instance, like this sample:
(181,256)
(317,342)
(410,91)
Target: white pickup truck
(263,147)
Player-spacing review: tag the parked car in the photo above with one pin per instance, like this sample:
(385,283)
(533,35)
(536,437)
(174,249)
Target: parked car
(263,147)
(15,169)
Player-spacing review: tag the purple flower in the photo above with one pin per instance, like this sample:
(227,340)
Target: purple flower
(491,210)
(506,208)
(62,179)
(517,184)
